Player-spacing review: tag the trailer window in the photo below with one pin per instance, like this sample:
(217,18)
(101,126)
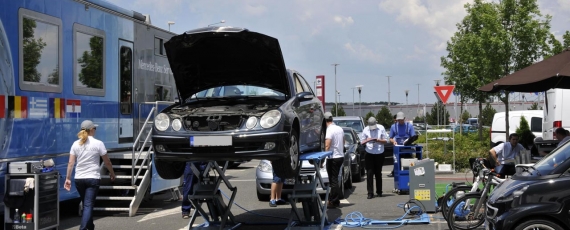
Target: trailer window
(536,124)
(159,46)
(125,72)
(89,61)
(41,48)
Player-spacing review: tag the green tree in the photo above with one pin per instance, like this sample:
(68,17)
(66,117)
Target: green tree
(534,106)
(487,116)
(32,51)
(433,117)
(340,111)
(526,137)
(384,117)
(464,116)
(53,77)
(91,62)
(368,115)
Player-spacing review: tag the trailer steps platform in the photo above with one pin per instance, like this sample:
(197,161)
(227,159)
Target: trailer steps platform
(312,214)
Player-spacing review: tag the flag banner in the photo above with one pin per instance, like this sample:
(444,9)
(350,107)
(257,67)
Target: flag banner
(17,107)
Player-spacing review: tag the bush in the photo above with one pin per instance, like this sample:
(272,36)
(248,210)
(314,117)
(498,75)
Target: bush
(466,146)
(526,138)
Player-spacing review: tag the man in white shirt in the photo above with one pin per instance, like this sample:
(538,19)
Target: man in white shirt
(334,141)
(374,136)
(504,155)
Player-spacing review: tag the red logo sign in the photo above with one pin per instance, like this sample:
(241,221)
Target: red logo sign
(320,88)
(444,91)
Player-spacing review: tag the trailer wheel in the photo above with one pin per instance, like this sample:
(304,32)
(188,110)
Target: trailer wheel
(169,169)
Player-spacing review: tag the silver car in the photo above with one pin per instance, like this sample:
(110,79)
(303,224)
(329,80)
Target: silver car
(264,174)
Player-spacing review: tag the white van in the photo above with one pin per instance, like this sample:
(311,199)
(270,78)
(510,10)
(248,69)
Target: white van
(533,117)
(556,115)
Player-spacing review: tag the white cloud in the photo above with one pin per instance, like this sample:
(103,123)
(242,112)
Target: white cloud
(344,21)
(564,5)
(255,10)
(436,17)
(363,53)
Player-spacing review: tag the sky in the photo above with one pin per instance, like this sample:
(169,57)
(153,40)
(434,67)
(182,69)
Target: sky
(369,39)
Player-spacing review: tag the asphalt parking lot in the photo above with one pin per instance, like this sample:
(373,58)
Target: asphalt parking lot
(162,213)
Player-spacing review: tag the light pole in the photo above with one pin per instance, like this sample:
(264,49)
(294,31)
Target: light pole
(407,96)
(389,91)
(222,21)
(437,84)
(353,100)
(359,87)
(335,102)
(338,94)
(418,100)
(170,23)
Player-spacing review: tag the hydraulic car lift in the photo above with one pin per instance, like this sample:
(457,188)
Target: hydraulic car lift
(220,216)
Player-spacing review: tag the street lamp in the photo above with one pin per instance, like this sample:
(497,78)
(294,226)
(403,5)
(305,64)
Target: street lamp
(407,96)
(359,87)
(335,102)
(438,105)
(222,21)
(353,100)
(170,23)
(389,91)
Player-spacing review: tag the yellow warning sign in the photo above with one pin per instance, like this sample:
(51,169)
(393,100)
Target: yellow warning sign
(422,194)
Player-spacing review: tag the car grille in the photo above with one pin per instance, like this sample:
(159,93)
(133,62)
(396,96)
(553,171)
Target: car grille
(491,211)
(214,123)
(237,147)
(305,171)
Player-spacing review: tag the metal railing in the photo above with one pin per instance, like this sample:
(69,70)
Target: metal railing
(138,148)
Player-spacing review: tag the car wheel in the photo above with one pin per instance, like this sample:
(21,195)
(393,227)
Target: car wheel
(262,197)
(287,167)
(357,177)
(538,224)
(348,182)
(169,169)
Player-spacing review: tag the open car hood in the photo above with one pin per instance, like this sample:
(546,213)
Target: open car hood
(219,56)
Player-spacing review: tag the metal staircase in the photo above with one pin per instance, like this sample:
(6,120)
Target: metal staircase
(132,174)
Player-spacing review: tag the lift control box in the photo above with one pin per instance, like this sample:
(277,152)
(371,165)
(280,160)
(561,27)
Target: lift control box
(422,183)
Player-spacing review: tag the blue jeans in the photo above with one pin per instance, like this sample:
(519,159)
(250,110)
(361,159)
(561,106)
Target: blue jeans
(189,181)
(87,189)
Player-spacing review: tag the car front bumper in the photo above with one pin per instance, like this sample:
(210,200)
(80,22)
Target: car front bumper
(263,182)
(243,147)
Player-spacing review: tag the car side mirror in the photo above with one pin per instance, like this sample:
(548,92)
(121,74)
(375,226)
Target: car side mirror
(304,96)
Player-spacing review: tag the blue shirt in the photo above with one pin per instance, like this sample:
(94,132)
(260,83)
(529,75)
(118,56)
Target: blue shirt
(401,132)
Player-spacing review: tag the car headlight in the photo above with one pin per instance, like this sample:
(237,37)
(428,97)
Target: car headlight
(251,122)
(270,119)
(161,121)
(265,167)
(176,124)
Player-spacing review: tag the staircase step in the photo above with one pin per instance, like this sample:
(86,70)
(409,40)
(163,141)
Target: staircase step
(121,176)
(110,209)
(116,187)
(114,198)
(128,166)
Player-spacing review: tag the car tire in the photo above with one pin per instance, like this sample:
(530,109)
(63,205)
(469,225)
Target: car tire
(262,197)
(288,166)
(357,177)
(348,182)
(169,169)
(538,224)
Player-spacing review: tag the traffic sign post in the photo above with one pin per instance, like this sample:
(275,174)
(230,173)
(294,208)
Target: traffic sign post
(444,91)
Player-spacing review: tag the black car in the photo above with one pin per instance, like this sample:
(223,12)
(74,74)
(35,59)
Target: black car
(351,146)
(237,101)
(537,197)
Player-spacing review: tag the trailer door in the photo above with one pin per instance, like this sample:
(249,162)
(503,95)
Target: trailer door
(125,92)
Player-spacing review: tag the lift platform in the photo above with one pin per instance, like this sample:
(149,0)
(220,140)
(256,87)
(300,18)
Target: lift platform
(207,191)
(305,192)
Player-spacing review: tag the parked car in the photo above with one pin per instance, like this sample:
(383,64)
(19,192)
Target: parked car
(464,128)
(351,171)
(534,198)
(237,101)
(352,147)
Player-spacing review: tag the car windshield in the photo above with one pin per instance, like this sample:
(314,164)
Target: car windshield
(552,160)
(237,91)
(354,124)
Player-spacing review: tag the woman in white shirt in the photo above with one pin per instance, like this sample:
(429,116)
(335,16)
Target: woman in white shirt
(87,151)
